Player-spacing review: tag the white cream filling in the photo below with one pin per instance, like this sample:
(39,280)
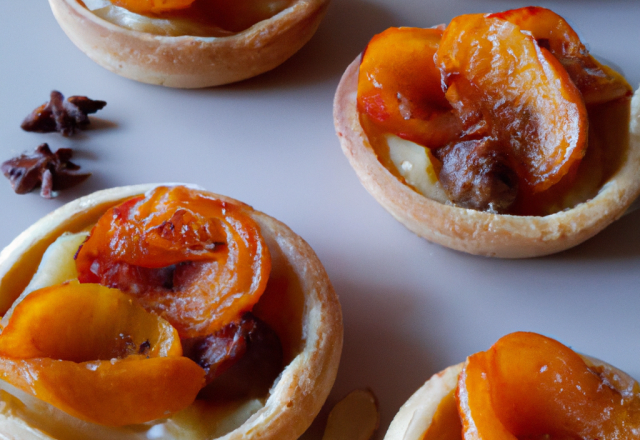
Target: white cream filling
(55,267)
(414,163)
(197,422)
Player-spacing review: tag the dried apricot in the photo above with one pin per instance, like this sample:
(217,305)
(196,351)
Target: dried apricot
(197,261)
(530,386)
(399,87)
(596,82)
(93,353)
(504,87)
(46,323)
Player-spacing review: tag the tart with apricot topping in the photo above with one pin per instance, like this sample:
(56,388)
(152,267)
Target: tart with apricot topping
(525,386)
(498,134)
(189,43)
(165,312)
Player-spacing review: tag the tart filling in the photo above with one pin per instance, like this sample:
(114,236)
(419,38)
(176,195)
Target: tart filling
(509,106)
(165,283)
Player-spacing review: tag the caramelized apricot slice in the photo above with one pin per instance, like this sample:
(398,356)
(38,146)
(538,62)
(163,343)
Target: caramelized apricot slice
(399,87)
(596,82)
(504,87)
(83,322)
(124,392)
(197,261)
(76,346)
(530,386)
(446,424)
(152,6)
(135,234)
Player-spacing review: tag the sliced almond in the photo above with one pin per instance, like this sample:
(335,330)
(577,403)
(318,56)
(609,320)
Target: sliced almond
(356,417)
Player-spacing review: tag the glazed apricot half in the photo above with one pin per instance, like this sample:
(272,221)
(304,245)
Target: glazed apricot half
(95,354)
(399,87)
(197,261)
(506,88)
(596,82)
(525,387)
(530,386)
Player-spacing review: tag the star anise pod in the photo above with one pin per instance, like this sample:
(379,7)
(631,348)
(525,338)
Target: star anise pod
(51,171)
(65,117)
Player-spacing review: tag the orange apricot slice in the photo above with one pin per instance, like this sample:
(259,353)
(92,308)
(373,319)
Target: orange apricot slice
(197,261)
(446,424)
(126,392)
(596,82)
(93,353)
(505,88)
(530,386)
(399,87)
(47,322)
(152,6)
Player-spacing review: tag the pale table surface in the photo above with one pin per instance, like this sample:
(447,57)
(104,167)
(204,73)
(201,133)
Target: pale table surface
(410,307)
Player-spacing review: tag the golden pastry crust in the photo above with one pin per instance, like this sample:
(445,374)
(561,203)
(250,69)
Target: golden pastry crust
(415,415)
(186,61)
(476,232)
(314,351)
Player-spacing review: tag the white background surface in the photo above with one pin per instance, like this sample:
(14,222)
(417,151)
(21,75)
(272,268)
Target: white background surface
(410,307)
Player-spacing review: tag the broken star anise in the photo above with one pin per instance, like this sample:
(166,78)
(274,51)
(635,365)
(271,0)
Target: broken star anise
(52,171)
(65,117)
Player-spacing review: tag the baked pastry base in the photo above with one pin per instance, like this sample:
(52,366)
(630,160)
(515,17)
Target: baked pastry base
(476,232)
(185,61)
(299,304)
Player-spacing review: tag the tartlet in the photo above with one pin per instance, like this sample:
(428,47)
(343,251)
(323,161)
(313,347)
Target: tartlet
(482,232)
(190,61)
(299,304)
(416,415)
